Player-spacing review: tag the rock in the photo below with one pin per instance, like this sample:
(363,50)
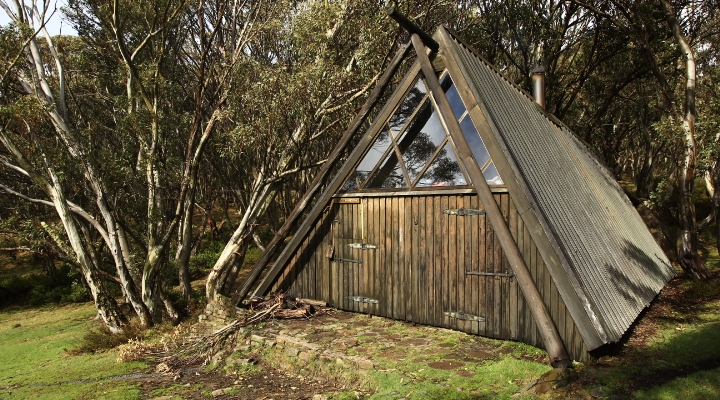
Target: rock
(365,364)
(162,368)
(304,373)
(218,392)
(292,351)
(237,360)
(319,397)
(202,317)
(242,348)
(598,392)
(270,343)
(340,361)
(305,356)
(550,382)
(257,339)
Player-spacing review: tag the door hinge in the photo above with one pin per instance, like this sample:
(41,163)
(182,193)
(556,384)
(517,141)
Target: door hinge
(505,274)
(362,246)
(361,299)
(464,211)
(346,260)
(467,317)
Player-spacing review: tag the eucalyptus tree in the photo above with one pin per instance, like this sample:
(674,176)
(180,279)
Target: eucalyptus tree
(178,66)
(642,23)
(34,120)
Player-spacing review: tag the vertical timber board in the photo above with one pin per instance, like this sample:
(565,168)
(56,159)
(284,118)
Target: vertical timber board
(336,278)
(496,284)
(533,271)
(415,267)
(505,281)
(399,216)
(418,265)
(424,292)
(512,282)
(394,258)
(385,262)
(523,312)
(410,256)
(489,281)
(547,292)
(474,265)
(443,273)
(467,282)
(452,262)
(369,259)
(377,232)
(315,254)
(527,318)
(347,268)
(325,277)
(483,266)
(373,218)
(436,240)
(358,269)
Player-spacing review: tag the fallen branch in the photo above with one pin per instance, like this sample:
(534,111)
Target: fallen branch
(201,350)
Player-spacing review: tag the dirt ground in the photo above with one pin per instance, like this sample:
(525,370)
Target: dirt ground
(269,383)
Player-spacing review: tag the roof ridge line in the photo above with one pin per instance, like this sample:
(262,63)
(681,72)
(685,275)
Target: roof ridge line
(550,116)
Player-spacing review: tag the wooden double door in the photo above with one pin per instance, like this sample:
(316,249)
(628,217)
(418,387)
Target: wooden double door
(428,259)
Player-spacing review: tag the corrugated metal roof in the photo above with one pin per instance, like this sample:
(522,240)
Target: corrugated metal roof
(602,238)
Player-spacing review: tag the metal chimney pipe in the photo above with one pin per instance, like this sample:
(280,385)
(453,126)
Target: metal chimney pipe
(538,80)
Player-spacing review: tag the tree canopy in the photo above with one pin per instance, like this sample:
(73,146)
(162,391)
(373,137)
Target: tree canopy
(162,115)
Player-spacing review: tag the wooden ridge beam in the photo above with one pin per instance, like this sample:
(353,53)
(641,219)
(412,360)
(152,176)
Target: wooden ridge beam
(412,28)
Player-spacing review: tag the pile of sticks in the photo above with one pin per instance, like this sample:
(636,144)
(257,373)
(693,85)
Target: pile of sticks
(276,306)
(279,306)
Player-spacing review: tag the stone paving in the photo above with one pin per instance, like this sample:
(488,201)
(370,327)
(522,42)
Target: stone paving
(362,342)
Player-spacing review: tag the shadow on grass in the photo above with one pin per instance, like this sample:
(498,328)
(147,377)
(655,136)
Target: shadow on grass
(685,343)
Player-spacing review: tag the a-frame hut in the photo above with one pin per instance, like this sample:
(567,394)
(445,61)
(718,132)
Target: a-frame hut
(466,206)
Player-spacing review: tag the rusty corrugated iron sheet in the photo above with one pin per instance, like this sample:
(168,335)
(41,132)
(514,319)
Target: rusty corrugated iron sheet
(601,238)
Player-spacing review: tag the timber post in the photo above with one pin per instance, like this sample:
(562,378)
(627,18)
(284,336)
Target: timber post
(553,343)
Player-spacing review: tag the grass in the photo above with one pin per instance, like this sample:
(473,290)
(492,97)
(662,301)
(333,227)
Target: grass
(35,359)
(680,353)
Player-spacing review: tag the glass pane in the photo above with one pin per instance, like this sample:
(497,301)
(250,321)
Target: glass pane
(473,140)
(353,183)
(407,107)
(492,176)
(420,141)
(371,159)
(453,96)
(389,175)
(444,170)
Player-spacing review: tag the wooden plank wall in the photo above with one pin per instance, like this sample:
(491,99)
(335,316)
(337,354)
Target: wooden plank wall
(418,271)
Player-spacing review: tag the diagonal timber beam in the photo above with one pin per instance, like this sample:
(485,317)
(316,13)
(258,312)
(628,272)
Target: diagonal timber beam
(316,184)
(553,344)
(412,28)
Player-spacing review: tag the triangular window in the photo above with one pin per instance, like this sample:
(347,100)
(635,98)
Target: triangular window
(412,150)
(472,137)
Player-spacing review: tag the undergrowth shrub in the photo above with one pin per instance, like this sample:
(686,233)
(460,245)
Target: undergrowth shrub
(100,338)
(35,289)
(205,258)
